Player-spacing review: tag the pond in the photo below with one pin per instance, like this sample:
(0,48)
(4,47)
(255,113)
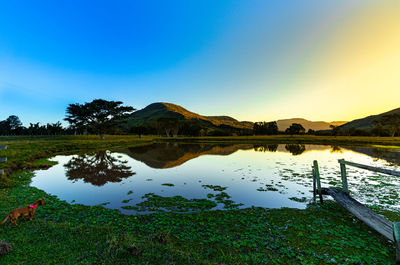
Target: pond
(183,177)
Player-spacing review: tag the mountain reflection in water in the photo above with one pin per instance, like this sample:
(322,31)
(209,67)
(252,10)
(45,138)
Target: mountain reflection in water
(169,155)
(97,169)
(229,175)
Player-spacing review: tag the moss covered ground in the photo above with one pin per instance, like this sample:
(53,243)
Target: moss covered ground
(75,234)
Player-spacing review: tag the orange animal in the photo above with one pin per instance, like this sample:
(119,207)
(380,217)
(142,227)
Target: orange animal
(25,212)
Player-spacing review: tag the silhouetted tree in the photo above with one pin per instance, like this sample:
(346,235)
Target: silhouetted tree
(11,126)
(336,130)
(310,132)
(98,116)
(295,128)
(379,130)
(265,128)
(169,125)
(14,122)
(390,122)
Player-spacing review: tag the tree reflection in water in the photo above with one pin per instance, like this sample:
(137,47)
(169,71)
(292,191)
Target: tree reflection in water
(295,149)
(97,169)
(336,149)
(265,147)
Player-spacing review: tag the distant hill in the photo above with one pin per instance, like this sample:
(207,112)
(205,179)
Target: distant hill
(159,110)
(366,123)
(314,125)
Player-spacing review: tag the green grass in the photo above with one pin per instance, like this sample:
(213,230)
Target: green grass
(299,139)
(77,234)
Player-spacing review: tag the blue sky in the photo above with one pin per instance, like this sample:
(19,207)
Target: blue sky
(253,60)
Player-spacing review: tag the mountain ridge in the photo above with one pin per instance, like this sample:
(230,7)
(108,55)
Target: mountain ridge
(367,122)
(159,110)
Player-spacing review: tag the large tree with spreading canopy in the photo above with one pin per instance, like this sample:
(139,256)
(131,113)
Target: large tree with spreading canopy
(98,116)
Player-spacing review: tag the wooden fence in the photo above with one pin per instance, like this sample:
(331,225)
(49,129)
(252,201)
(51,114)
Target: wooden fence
(379,223)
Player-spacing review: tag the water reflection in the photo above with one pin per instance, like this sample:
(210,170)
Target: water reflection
(390,155)
(336,149)
(168,155)
(295,149)
(193,177)
(266,147)
(97,169)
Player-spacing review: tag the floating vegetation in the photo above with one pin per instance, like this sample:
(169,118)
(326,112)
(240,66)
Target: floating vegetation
(214,187)
(130,192)
(268,188)
(302,199)
(168,184)
(154,202)
(224,199)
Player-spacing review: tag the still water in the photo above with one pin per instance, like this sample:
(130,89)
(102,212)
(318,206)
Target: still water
(231,176)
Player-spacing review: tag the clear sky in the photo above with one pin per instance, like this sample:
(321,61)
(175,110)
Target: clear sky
(252,60)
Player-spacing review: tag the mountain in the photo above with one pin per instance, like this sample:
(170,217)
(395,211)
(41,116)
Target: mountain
(366,123)
(314,125)
(159,110)
(156,111)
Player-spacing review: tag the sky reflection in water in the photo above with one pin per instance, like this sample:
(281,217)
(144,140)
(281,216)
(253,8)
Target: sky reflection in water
(271,176)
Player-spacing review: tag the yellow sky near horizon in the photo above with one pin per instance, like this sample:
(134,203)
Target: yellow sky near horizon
(352,73)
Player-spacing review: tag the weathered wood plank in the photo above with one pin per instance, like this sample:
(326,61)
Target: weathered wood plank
(317,177)
(314,185)
(396,235)
(3,159)
(3,147)
(375,169)
(344,177)
(377,222)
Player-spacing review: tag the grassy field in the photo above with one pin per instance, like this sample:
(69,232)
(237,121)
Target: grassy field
(77,234)
(300,139)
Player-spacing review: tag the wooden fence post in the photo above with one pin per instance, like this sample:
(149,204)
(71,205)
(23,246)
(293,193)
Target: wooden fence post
(314,185)
(396,236)
(3,159)
(344,176)
(317,177)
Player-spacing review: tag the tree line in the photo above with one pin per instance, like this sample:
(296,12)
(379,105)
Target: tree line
(110,117)
(13,126)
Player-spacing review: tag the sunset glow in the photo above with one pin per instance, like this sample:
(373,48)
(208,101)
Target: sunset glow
(252,60)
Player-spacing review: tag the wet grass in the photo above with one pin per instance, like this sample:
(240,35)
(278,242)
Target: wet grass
(77,234)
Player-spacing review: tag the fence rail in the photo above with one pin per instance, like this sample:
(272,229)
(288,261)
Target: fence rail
(375,169)
(380,224)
